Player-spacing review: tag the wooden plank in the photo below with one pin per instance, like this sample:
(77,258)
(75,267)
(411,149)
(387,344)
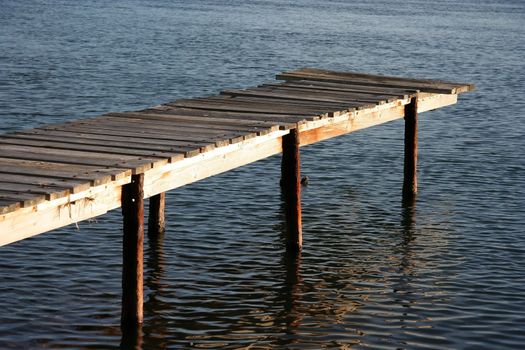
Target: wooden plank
(188,148)
(7,206)
(211,163)
(302,85)
(87,143)
(136,164)
(259,117)
(164,123)
(315,96)
(334,93)
(218,139)
(175,132)
(148,132)
(94,174)
(461,87)
(425,87)
(195,120)
(48,215)
(129,151)
(135,137)
(244,107)
(74,186)
(284,121)
(50,192)
(148,128)
(324,109)
(24,199)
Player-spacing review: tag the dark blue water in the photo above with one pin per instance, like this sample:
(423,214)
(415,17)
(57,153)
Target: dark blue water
(447,274)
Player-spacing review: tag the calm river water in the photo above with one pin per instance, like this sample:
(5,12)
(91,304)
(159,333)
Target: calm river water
(448,274)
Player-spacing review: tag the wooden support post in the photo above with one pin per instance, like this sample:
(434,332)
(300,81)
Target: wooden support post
(132,270)
(291,187)
(410,167)
(156,223)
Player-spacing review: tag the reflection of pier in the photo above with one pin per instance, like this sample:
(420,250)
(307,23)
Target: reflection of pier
(56,175)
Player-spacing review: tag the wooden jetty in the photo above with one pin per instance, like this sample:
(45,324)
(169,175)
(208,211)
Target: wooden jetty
(56,175)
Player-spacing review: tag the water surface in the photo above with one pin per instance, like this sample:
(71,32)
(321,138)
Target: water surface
(448,273)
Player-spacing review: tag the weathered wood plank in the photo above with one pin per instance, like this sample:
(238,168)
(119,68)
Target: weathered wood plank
(219,138)
(128,151)
(94,174)
(319,107)
(285,122)
(136,164)
(22,198)
(364,96)
(281,119)
(376,81)
(7,206)
(74,186)
(344,87)
(196,120)
(323,109)
(50,192)
(250,107)
(461,87)
(424,85)
(282,94)
(183,126)
(187,148)
(48,215)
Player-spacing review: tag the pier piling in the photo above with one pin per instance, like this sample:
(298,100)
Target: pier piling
(133,259)
(156,224)
(410,162)
(291,187)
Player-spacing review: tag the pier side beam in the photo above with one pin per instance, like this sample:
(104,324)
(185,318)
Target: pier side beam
(410,163)
(156,224)
(132,270)
(291,189)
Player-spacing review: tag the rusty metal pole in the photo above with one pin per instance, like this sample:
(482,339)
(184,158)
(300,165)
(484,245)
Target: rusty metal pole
(133,258)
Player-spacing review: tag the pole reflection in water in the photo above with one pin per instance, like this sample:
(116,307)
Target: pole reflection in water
(408,220)
(131,337)
(153,274)
(405,293)
(154,305)
(291,291)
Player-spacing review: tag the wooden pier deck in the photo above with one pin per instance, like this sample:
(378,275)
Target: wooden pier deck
(56,175)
